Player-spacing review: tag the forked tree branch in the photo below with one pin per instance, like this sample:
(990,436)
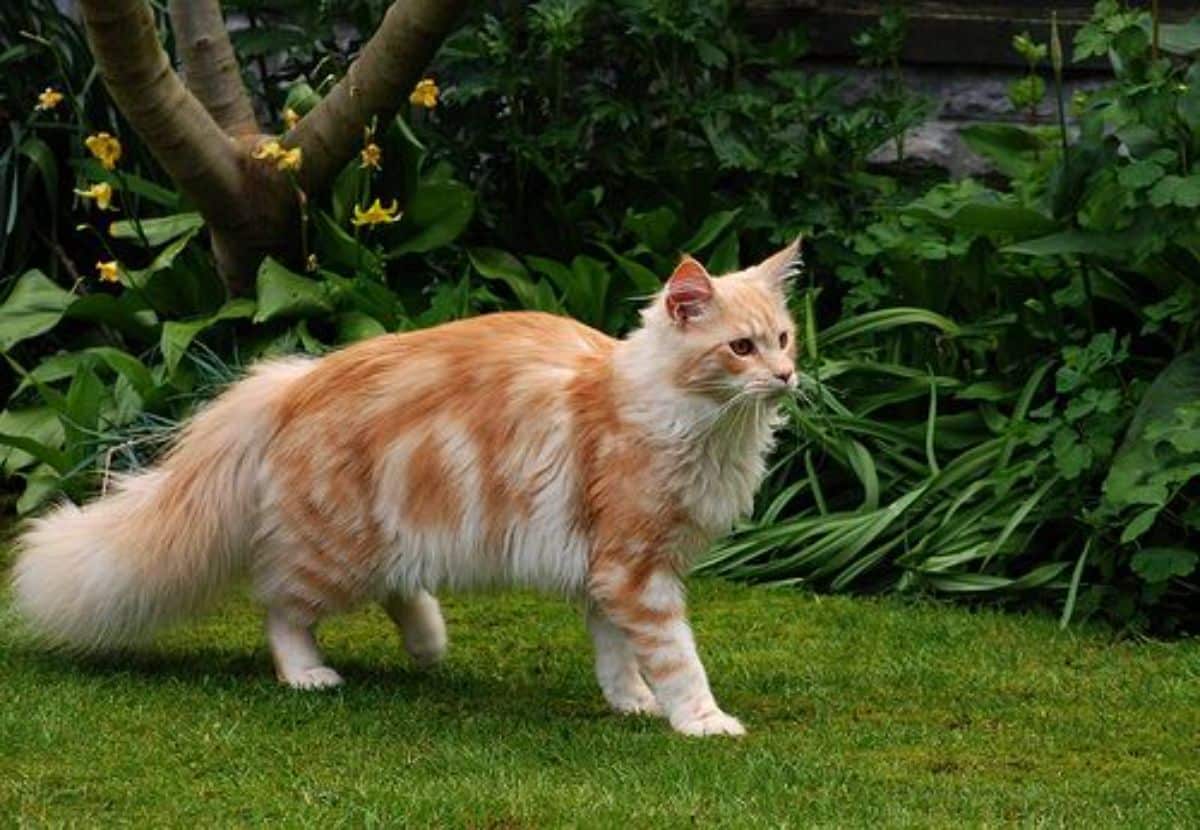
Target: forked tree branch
(210,67)
(184,138)
(377,84)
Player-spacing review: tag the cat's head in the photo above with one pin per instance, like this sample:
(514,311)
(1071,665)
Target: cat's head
(726,336)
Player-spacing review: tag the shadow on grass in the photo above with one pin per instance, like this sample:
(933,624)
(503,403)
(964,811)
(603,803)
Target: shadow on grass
(369,683)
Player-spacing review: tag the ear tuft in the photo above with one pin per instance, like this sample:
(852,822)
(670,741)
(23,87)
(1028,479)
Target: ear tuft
(689,291)
(779,268)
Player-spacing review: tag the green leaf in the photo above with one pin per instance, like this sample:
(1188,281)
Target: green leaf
(177,336)
(284,293)
(42,157)
(1160,564)
(1140,524)
(1163,411)
(355,325)
(34,307)
(437,215)
(1014,150)
(1180,38)
(654,228)
(1140,174)
(157,231)
(710,229)
(725,255)
(645,281)
(506,268)
(82,420)
(985,216)
(40,485)
(39,425)
(1071,242)
(882,320)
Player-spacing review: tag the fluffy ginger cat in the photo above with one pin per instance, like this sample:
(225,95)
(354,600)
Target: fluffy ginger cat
(512,448)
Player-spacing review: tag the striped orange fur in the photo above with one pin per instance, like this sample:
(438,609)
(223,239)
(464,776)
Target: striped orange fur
(518,448)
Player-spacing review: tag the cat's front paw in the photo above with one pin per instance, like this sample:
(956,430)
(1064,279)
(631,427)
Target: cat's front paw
(636,702)
(712,722)
(317,677)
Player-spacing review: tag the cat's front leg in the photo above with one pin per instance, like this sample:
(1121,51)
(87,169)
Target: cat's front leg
(647,607)
(617,668)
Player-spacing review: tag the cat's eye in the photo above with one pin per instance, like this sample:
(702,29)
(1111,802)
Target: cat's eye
(783,340)
(742,346)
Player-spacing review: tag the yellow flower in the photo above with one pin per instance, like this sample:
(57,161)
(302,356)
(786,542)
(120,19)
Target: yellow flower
(101,192)
(425,94)
(371,156)
(290,160)
(273,151)
(376,214)
(269,150)
(104,147)
(108,271)
(290,117)
(48,99)
(311,263)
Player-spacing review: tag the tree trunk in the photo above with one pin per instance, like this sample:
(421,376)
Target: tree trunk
(204,134)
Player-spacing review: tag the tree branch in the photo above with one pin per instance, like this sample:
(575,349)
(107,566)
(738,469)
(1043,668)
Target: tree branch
(184,138)
(210,67)
(378,82)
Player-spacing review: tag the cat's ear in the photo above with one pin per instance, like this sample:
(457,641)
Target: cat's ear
(780,267)
(689,291)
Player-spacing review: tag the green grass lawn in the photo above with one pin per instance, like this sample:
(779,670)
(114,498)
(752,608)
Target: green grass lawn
(861,712)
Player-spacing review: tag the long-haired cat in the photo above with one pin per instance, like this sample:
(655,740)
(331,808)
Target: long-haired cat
(517,448)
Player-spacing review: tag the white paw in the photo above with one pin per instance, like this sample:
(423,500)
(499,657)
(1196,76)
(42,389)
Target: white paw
(712,722)
(426,654)
(637,702)
(318,677)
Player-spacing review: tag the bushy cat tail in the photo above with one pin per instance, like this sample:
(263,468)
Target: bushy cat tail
(163,542)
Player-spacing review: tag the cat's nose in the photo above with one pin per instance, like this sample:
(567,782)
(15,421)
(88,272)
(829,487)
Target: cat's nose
(785,376)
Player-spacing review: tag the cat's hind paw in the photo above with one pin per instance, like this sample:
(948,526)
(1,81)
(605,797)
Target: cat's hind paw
(712,722)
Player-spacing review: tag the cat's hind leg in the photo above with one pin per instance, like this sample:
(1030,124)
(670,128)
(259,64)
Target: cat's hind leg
(419,618)
(617,668)
(298,661)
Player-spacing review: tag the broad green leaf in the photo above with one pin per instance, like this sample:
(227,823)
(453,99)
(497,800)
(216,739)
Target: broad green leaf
(85,398)
(284,293)
(1140,524)
(1160,564)
(437,214)
(710,229)
(1071,242)
(724,257)
(504,267)
(645,281)
(40,485)
(34,306)
(985,216)
(157,231)
(39,424)
(1175,390)
(177,335)
(1140,174)
(355,325)
(1013,149)
(654,228)
(1180,38)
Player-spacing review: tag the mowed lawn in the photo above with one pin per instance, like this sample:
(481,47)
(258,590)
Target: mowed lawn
(861,713)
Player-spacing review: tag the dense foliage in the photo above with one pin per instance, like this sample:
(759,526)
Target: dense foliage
(1002,396)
